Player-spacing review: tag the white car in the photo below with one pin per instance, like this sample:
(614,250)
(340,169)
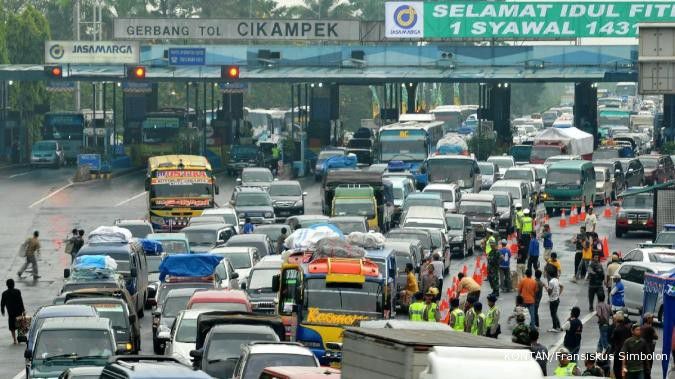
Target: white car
(633,277)
(256,356)
(227,213)
(242,259)
(526,174)
(401,187)
(648,254)
(450,194)
(503,162)
(183,336)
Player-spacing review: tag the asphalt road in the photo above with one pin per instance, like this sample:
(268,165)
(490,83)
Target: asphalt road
(46,200)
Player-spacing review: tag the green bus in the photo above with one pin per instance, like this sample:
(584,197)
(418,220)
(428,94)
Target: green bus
(569,184)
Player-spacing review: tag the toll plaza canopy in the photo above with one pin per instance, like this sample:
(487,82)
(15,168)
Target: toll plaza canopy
(371,64)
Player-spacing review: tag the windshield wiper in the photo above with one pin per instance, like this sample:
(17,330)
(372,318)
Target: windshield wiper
(60,356)
(210,361)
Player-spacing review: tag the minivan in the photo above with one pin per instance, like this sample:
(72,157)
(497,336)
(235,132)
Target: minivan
(569,184)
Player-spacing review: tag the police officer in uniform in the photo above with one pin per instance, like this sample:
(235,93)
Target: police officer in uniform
(416,309)
(456,316)
(478,326)
(492,255)
(526,228)
(431,313)
(492,327)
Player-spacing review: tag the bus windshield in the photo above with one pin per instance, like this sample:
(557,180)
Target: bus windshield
(544,152)
(403,145)
(626,89)
(160,130)
(354,207)
(563,178)
(458,171)
(342,298)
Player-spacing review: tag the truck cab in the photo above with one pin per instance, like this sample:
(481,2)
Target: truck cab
(356,201)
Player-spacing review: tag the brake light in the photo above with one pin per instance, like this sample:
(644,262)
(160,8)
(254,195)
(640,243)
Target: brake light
(650,222)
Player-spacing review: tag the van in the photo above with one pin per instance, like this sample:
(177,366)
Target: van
(148,367)
(131,263)
(386,260)
(413,247)
(569,184)
(424,217)
(518,190)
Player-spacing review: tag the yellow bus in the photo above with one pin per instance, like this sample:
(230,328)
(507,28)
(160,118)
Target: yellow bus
(179,187)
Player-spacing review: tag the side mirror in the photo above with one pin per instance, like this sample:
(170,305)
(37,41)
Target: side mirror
(235,275)
(238,181)
(164,335)
(132,319)
(22,339)
(304,194)
(276,283)
(133,272)
(243,285)
(217,190)
(28,354)
(147,184)
(196,354)
(66,273)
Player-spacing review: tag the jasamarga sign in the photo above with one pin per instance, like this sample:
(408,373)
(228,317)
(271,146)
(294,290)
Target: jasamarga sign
(101,52)
(241,29)
(522,19)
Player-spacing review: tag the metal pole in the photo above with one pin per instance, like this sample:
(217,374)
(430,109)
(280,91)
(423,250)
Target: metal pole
(114,114)
(303,134)
(105,128)
(204,114)
(292,111)
(76,36)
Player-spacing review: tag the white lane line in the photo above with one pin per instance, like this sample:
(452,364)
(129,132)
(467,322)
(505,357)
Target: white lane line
(560,342)
(19,174)
(51,194)
(20,375)
(130,199)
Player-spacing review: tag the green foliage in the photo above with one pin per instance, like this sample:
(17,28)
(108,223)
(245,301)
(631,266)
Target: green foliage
(322,9)
(668,148)
(485,146)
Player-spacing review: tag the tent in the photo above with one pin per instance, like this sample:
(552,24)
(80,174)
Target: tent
(662,287)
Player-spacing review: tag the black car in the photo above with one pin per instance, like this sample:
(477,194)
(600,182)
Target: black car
(633,171)
(287,198)
(148,367)
(254,203)
(658,168)
(241,157)
(506,212)
(615,172)
(636,213)
(461,236)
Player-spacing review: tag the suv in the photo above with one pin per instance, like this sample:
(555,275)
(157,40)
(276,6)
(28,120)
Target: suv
(259,284)
(503,163)
(633,172)
(254,203)
(287,198)
(527,175)
(505,209)
(256,177)
(47,153)
(148,367)
(658,168)
(481,211)
(261,242)
(243,258)
(138,228)
(165,315)
(633,278)
(615,174)
(229,214)
(450,194)
(204,237)
(461,236)
(241,157)
(636,214)
(256,356)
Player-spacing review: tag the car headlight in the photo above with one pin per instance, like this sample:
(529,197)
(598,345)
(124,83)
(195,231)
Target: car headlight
(298,203)
(163,328)
(125,346)
(269,214)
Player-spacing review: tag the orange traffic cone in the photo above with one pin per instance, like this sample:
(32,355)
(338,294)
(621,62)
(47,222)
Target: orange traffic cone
(574,218)
(563,220)
(582,216)
(608,209)
(605,247)
(483,270)
(465,270)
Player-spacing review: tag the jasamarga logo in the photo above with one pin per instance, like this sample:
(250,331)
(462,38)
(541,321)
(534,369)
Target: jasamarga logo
(405,19)
(101,49)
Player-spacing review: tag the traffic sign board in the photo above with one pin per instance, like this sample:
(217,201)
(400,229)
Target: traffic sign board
(192,56)
(91,160)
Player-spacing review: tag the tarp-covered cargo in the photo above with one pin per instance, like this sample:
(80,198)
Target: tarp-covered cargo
(577,141)
(188,265)
(452,144)
(108,234)
(151,247)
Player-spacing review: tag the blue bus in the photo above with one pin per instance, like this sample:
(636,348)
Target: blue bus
(410,142)
(68,129)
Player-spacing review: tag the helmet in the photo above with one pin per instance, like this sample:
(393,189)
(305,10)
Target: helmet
(519,205)
(433,291)
(526,211)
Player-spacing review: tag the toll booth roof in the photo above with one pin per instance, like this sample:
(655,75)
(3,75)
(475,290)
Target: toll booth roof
(429,338)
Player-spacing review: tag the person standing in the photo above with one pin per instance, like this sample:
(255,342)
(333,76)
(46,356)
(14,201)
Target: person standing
(538,295)
(31,249)
(248,226)
(566,366)
(282,239)
(552,267)
(493,256)
(456,315)
(505,267)
(573,329)
(648,333)
(591,220)
(411,287)
(596,280)
(578,241)
(526,228)
(469,314)
(429,279)
(533,253)
(79,242)
(521,260)
(276,155)
(547,236)
(70,242)
(618,336)
(631,365)
(431,313)
(13,303)
(439,269)
(554,289)
(519,217)
(527,288)
(492,327)
(539,351)
(478,325)
(612,268)
(416,309)
(616,295)
(603,312)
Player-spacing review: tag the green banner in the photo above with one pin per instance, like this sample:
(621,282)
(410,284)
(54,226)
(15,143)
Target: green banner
(522,19)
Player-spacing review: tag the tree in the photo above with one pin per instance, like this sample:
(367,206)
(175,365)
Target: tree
(174,8)
(322,9)
(369,10)
(237,8)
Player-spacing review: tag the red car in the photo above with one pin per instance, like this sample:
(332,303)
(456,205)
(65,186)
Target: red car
(220,300)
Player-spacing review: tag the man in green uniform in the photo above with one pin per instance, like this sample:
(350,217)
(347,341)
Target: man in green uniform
(492,255)
(431,313)
(521,333)
(416,309)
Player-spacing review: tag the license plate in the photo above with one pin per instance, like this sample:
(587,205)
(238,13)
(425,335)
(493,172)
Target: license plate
(284,213)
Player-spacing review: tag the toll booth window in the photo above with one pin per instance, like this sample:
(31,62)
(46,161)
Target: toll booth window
(289,290)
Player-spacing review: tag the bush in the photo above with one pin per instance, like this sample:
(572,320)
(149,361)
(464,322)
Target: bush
(668,148)
(485,146)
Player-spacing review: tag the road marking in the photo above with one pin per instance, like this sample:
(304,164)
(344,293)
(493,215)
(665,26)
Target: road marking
(560,342)
(130,199)
(20,174)
(20,375)
(51,194)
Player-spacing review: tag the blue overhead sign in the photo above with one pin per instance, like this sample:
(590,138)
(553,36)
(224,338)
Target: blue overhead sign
(193,56)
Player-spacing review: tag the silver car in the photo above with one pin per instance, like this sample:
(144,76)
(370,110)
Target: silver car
(633,277)
(488,172)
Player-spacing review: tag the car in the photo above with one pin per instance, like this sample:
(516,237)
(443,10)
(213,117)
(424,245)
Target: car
(256,356)
(78,279)
(506,211)
(138,228)
(648,254)
(450,194)
(325,154)
(481,210)
(253,203)
(180,340)
(225,276)
(228,214)
(149,367)
(540,172)
(295,372)
(424,217)
(272,231)
(461,235)
(125,324)
(203,238)
(518,190)
(164,315)
(526,174)
(349,224)
(657,168)
(401,188)
(259,287)
(422,235)
(47,153)
(305,221)
(633,277)
(503,163)
(220,336)
(54,311)
(228,300)
(488,174)
(202,220)
(633,172)
(560,158)
(412,248)
(430,199)
(172,243)
(603,185)
(615,173)
(288,199)
(256,177)
(65,342)
(243,258)
(261,242)
(85,372)
(636,213)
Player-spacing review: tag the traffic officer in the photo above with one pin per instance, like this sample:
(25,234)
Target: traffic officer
(519,216)
(526,228)
(431,312)
(492,255)
(456,315)
(276,155)
(492,328)
(565,367)
(478,326)
(416,309)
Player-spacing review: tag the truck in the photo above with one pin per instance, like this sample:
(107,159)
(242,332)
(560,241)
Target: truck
(563,140)
(356,201)
(392,353)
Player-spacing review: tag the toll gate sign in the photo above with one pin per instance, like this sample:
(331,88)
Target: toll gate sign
(522,19)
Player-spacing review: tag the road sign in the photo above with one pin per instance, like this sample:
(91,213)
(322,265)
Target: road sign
(91,160)
(188,56)
(104,52)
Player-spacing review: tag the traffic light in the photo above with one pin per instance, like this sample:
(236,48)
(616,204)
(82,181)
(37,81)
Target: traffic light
(136,72)
(55,72)
(229,72)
